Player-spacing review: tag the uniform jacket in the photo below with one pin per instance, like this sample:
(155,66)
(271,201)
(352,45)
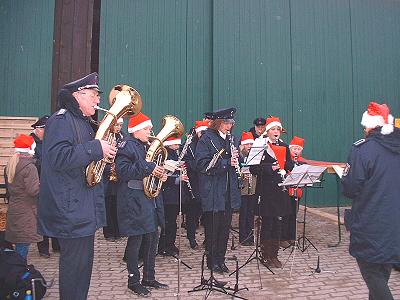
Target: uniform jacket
(220,183)
(21,226)
(192,173)
(68,208)
(273,200)
(170,188)
(137,214)
(372,182)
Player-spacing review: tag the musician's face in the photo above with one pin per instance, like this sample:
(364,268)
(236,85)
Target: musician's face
(173,147)
(247,147)
(274,133)
(117,127)
(143,134)
(296,150)
(226,126)
(260,129)
(87,100)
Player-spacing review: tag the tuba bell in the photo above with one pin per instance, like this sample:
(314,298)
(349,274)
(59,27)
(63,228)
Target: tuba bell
(123,100)
(157,153)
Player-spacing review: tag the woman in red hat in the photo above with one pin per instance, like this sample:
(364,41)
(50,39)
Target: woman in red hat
(275,206)
(23,185)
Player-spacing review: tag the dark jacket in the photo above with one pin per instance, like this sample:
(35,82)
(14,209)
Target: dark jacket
(253,131)
(220,183)
(192,173)
(38,151)
(137,214)
(372,182)
(170,188)
(274,201)
(67,207)
(21,225)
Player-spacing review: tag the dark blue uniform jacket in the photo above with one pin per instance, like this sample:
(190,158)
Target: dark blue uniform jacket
(170,188)
(67,207)
(137,214)
(373,184)
(221,179)
(192,173)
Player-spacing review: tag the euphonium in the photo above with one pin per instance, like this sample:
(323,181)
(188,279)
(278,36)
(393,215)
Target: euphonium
(123,100)
(157,153)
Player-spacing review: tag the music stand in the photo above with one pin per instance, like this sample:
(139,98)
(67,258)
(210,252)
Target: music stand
(301,176)
(254,158)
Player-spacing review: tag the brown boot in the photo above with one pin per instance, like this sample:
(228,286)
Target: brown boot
(273,254)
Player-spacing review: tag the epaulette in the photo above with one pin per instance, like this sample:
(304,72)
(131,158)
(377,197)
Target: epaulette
(61,111)
(121,144)
(359,142)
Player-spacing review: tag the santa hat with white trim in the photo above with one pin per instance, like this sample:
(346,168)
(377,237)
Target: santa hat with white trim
(247,138)
(172,141)
(297,141)
(138,122)
(24,144)
(201,125)
(378,115)
(272,122)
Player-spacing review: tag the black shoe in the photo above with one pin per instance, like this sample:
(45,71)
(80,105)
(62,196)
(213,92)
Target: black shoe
(224,268)
(155,284)
(217,269)
(193,244)
(139,289)
(396,267)
(44,254)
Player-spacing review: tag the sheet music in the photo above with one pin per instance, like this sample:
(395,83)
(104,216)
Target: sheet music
(338,170)
(303,175)
(256,152)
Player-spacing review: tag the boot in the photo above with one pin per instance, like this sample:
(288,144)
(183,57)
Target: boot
(265,253)
(273,254)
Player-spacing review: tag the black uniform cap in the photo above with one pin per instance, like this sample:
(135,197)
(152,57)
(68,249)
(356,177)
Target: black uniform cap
(259,121)
(41,123)
(90,81)
(208,115)
(224,114)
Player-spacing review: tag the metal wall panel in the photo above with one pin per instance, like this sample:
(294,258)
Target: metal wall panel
(26,37)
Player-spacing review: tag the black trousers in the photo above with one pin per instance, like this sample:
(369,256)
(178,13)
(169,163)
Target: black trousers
(376,276)
(76,263)
(168,235)
(246,217)
(111,230)
(43,246)
(193,213)
(217,225)
(278,228)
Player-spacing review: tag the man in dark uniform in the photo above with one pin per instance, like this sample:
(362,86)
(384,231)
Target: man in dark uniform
(371,180)
(259,127)
(67,208)
(38,134)
(138,215)
(193,204)
(218,184)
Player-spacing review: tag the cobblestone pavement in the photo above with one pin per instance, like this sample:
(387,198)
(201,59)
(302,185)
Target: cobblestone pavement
(339,277)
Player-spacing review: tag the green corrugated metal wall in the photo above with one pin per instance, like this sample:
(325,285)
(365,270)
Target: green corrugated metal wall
(314,63)
(26,45)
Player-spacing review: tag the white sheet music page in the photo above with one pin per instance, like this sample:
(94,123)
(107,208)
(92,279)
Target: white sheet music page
(303,175)
(256,152)
(338,170)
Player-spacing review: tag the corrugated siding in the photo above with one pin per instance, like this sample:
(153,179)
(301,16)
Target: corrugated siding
(26,37)
(314,63)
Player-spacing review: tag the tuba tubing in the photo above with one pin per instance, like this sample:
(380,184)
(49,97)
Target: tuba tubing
(123,100)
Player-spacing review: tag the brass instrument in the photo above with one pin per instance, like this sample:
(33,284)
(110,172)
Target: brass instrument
(171,126)
(123,100)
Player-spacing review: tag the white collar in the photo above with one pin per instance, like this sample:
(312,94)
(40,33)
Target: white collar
(223,135)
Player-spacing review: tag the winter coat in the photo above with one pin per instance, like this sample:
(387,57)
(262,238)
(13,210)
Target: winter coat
(192,173)
(372,182)
(219,184)
(21,226)
(274,200)
(68,207)
(137,213)
(170,188)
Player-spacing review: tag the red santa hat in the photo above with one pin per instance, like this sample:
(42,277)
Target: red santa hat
(138,122)
(25,144)
(247,138)
(378,115)
(201,125)
(272,122)
(297,141)
(172,141)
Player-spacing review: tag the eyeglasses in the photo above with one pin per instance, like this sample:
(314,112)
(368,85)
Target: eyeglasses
(91,96)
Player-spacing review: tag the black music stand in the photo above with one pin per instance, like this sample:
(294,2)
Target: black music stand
(304,176)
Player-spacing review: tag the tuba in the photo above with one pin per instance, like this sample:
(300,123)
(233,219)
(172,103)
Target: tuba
(123,100)
(171,126)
